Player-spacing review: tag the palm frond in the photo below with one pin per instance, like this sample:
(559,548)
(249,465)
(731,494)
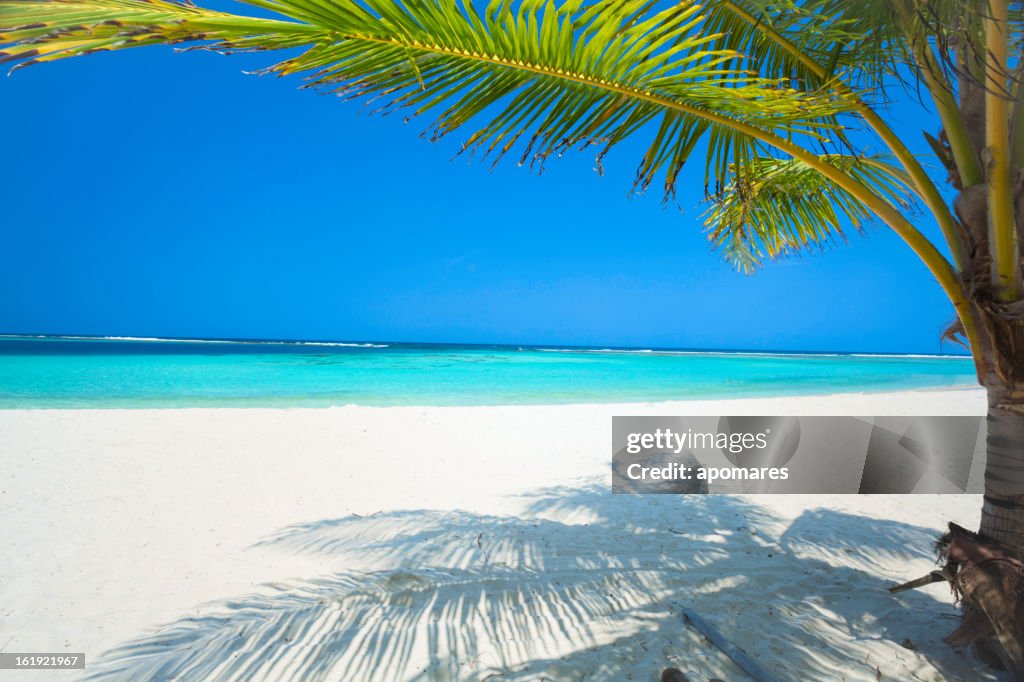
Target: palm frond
(870,43)
(774,207)
(811,41)
(34,32)
(543,78)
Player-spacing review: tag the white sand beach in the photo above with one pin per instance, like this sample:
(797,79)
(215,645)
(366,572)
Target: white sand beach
(469,543)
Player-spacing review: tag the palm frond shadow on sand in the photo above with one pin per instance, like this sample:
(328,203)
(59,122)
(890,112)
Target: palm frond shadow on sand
(585,586)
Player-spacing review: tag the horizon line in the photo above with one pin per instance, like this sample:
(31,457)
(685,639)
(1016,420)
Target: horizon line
(552,347)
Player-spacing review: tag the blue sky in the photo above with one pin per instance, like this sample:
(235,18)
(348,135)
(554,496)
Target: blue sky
(153,193)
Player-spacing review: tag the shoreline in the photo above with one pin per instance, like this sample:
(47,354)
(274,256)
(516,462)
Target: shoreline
(630,406)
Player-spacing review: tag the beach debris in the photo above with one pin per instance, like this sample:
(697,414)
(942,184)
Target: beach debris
(673,675)
(738,655)
(988,579)
(933,577)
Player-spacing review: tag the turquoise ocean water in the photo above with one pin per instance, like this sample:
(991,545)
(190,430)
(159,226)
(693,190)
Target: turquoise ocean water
(51,372)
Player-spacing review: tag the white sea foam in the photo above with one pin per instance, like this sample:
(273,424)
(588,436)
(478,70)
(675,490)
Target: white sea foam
(330,343)
(734,354)
(69,337)
(911,355)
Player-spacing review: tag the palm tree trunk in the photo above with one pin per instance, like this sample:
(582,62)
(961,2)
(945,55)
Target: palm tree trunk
(988,577)
(1002,516)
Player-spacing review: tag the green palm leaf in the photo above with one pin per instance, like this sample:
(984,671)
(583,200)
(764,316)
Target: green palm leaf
(774,207)
(783,39)
(33,32)
(869,42)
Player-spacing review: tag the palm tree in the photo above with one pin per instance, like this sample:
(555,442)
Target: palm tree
(780,90)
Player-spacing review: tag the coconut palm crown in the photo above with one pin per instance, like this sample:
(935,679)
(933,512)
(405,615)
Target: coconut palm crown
(768,91)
